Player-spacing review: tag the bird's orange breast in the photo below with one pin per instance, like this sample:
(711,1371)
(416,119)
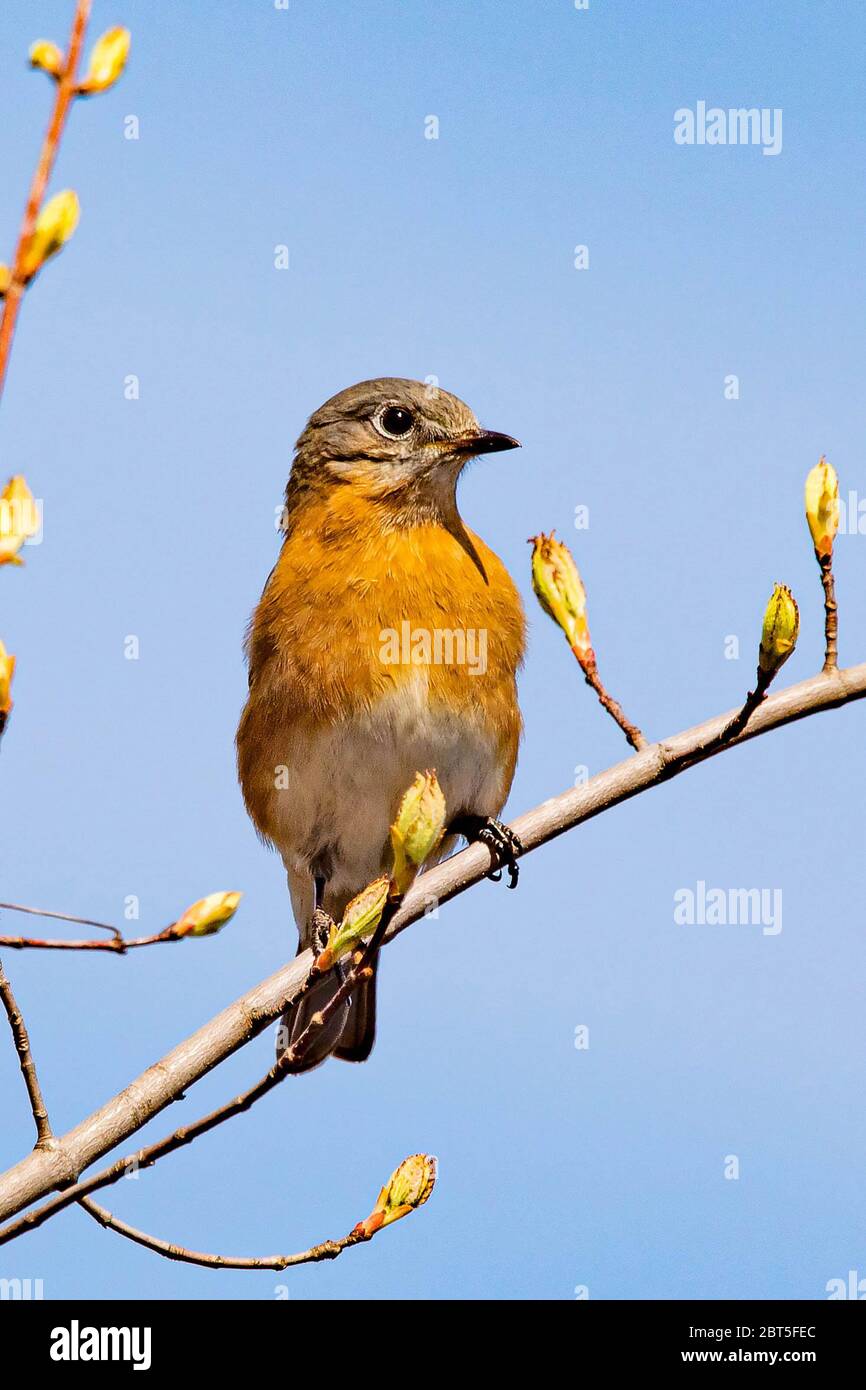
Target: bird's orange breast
(357,606)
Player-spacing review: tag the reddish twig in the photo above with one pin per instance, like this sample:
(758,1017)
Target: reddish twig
(831,614)
(614,708)
(118,943)
(64,95)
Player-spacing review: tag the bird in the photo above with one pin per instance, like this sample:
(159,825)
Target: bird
(387,641)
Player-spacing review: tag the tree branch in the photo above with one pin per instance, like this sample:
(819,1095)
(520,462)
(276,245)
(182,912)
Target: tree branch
(146,1157)
(327,1250)
(25,1058)
(45,1171)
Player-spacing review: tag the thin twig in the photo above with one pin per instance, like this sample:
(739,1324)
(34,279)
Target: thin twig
(25,1058)
(64,95)
(613,707)
(178,1139)
(42,1173)
(754,698)
(118,943)
(731,730)
(328,1250)
(59,916)
(831,613)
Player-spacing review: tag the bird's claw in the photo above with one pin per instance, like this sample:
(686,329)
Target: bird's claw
(321,925)
(504,845)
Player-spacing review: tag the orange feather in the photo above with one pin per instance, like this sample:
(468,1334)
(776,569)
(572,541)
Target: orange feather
(347,573)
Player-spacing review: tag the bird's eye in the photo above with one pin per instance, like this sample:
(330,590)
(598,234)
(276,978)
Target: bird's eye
(396,421)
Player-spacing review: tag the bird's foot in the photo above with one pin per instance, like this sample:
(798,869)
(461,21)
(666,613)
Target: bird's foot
(321,930)
(504,845)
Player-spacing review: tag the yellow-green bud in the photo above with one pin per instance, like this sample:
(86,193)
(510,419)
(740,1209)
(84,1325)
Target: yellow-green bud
(46,56)
(107,61)
(408,1187)
(559,589)
(54,226)
(779,633)
(822,507)
(19,519)
(208,915)
(419,827)
(359,920)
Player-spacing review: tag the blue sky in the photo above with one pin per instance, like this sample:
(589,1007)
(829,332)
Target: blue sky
(560,1167)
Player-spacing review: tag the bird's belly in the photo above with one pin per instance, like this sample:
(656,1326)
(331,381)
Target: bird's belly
(343,783)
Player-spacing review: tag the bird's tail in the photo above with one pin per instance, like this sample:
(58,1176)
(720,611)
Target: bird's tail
(349,1035)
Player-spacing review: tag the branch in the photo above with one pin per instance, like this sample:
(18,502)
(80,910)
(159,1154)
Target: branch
(175,931)
(65,93)
(407,1189)
(25,1058)
(328,1250)
(45,1171)
(146,1157)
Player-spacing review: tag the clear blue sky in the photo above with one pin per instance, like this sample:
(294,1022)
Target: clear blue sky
(409,256)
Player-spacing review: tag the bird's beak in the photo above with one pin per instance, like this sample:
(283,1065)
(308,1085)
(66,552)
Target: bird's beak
(485,442)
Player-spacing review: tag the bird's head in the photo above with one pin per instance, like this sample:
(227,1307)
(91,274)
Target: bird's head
(394,441)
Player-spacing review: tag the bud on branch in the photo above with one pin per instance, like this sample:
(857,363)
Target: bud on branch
(822,515)
(407,1189)
(559,589)
(107,62)
(46,56)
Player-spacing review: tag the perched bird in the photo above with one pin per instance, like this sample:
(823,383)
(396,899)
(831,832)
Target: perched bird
(386,642)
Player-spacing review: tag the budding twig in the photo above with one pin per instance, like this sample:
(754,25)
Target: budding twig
(40,1174)
(415,835)
(559,589)
(185,1134)
(204,917)
(328,1250)
(822,515)
(408,1188)
(64,95)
